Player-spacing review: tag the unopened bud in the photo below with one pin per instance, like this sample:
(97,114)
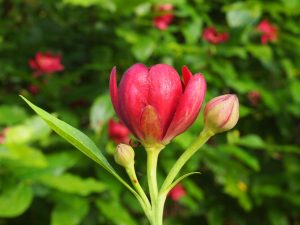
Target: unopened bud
(221,113)
(124,155)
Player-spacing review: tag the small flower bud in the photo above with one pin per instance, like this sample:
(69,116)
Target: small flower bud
(124,155)
(221,113)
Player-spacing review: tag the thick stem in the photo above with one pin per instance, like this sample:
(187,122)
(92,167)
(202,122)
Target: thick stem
(152,157)
(151,173)
(159,209)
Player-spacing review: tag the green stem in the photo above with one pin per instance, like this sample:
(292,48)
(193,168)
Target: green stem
(132,175)
(151,173)
(203,137)
(152,157)
(159,209)
(160,198)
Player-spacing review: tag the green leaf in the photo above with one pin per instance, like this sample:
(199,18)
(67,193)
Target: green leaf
(180,179)
(251,141)
(24,155)
(77,139)
(144,48)
(106,4)
(15,199)
(242,155)
(277,217)
(70,212)
(242,13)
(192,31)
(11,114)
(32,130)
(261,52)
(101,112)
(113,211)
(73,184)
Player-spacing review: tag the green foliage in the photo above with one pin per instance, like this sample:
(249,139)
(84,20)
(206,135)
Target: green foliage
(15,199)
(250,175)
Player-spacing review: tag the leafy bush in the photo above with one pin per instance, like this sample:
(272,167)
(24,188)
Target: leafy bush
(249,176)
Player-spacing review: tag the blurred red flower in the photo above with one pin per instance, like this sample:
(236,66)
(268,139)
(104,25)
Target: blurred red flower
(33,89)
(269,31)
(254,97)
(118,132)
(211,35)
(45,63)
(3,134)
(177,192)
(164,16)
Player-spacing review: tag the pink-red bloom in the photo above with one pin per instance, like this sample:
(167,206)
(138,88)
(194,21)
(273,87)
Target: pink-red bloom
(33,89)
(211,35)
(45,63)
(3,134)
(177,192)
(269,31)
(154,103)
(2,138)
(164,16)
(118,132)
(254,97)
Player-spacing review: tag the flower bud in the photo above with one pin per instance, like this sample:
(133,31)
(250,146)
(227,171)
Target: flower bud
(124,155)
(221,113)
(154,103)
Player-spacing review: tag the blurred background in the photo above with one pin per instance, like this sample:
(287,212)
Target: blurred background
(59,54)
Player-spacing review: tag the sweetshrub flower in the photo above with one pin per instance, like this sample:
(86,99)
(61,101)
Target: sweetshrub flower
(154,103)
(254,97)
(118,132)
(221,113)
(3,134)
(164,16)
(269,31)
(211,35)
(177,192)
(45,63)
(33,89)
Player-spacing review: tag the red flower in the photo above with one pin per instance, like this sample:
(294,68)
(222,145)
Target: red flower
(33,89)
(254,97)
(45,63)
(269,31)
(2,138)
(154,103)
(164,17)
(3,135)
(211,35)
(118,132)
(177,192)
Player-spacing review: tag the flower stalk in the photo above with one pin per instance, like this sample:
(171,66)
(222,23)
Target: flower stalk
(156,105)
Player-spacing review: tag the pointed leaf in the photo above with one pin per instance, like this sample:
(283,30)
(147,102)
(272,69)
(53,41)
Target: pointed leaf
(15,200)
(77,139)
(180,179)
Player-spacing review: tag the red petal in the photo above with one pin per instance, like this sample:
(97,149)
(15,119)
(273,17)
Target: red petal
(188,107)
(33,64)
(151,125)
(113,88)
(187,75)
(164,93)
(133,93)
